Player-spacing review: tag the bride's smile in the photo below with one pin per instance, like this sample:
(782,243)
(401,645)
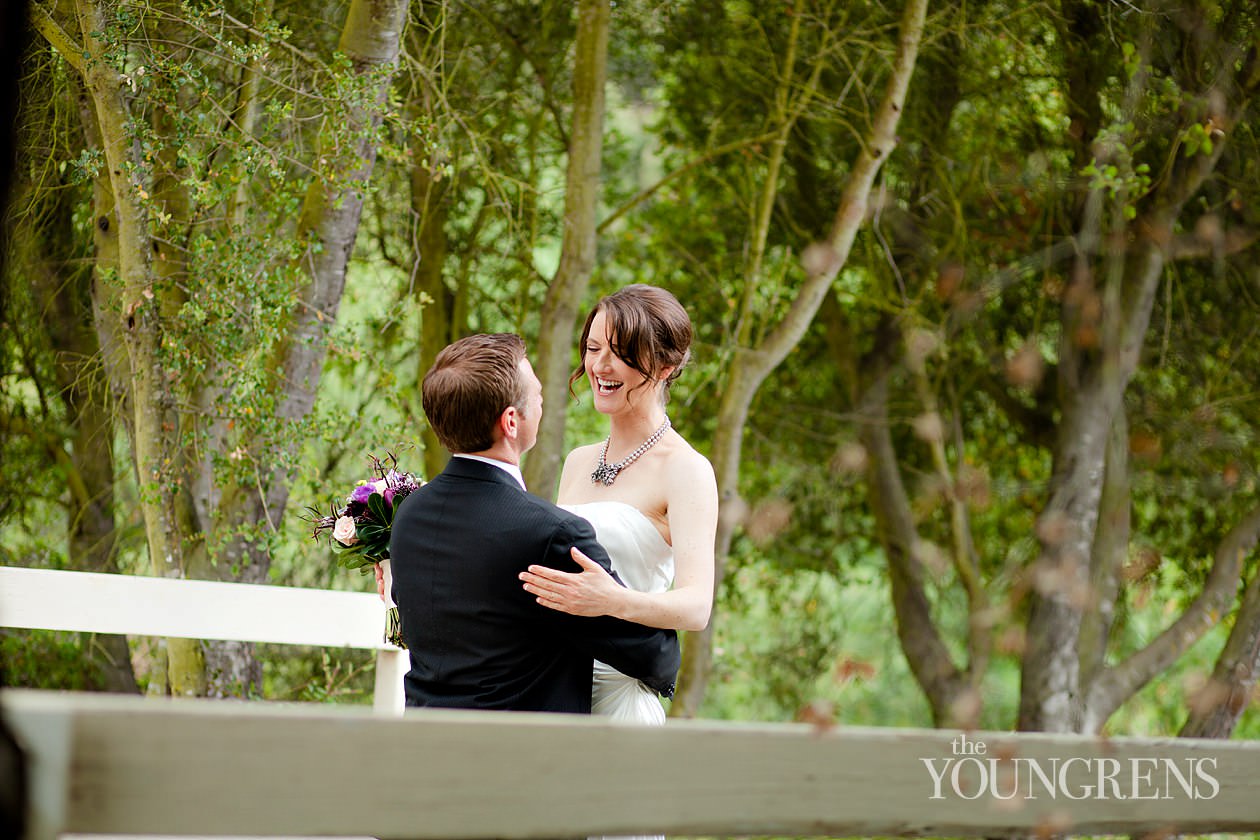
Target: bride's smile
(605,386)
(608,373)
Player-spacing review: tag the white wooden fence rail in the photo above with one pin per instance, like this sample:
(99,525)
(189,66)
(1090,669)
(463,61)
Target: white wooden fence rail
(150,766)
(196,609)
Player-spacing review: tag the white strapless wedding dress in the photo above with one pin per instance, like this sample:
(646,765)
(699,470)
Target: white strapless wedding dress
(644,562)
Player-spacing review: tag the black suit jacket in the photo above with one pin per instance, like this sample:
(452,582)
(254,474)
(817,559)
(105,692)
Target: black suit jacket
(477,639)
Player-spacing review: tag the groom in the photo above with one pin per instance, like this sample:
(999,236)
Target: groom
(477,640)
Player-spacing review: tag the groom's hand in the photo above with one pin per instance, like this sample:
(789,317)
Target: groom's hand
(380,580)
(593,591)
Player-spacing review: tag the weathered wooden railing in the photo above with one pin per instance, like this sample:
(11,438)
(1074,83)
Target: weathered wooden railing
(131,765)
(197,609)
(136,766)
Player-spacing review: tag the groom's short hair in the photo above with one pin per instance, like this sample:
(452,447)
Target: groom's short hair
(471,383)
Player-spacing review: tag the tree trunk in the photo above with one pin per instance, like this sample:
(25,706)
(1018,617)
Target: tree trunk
(328,223)
(56,261)
(131,301)
(92,536)
(1215,711)
(942,682)
(130,306)
(1097,362)
(129,311)
(1050,697)
(329,220)
(952,691)
(14,775)
(557,330)
(80,380)
(429,210)
(1110,549)
(727,443)
(751,367)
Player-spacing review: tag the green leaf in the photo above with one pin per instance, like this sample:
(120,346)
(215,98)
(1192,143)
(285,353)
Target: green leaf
(380,510)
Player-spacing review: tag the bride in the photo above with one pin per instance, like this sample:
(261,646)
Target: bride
(651,498)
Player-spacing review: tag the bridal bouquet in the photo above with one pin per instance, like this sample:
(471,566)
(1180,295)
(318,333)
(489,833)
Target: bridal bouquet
(359,529)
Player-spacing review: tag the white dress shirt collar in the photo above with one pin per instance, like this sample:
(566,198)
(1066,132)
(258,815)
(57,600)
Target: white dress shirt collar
(511,469)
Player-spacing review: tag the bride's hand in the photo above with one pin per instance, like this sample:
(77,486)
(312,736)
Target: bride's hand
(380,580)
(589,592)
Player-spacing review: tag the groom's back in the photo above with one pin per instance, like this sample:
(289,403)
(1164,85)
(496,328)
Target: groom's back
(476,638)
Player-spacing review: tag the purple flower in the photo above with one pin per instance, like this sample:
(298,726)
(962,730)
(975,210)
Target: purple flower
(361,493)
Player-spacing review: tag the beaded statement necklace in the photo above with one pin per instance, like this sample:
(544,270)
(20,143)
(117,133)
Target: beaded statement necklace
(606,473)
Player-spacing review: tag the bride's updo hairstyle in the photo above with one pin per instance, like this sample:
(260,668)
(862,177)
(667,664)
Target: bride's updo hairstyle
(650,332)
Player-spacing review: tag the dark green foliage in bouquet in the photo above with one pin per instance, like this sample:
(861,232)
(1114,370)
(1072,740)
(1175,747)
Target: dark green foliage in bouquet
(359,530)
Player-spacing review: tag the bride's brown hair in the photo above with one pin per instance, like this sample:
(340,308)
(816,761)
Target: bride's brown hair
(650,332)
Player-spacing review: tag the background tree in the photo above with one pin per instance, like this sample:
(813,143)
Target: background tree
(71,418)
(13,43)
(201,322)
(1068,684)
(753,360)
(910,449)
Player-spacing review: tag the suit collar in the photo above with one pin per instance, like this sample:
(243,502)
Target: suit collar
(480,471)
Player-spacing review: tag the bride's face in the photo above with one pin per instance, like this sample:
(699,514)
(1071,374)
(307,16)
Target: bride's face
(612,380)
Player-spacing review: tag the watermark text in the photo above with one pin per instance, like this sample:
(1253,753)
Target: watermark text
(971,772)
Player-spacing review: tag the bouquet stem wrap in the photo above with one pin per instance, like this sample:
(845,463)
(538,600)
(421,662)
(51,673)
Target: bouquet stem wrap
(393,624)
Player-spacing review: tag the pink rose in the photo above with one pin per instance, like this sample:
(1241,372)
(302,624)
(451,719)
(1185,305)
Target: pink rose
(344,531)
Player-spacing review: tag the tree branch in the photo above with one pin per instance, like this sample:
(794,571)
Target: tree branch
(830,256)
(544,84)
(1192,246)
(45,25)
(760,222)
(749,367)
(1111,544)
(245,117)
(963,553)
(577,250)
(1215,710)
(925,650)
(330,217)
(694,163)
(1117,684)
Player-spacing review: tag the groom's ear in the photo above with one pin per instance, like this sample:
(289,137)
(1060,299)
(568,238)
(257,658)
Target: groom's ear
(510,423)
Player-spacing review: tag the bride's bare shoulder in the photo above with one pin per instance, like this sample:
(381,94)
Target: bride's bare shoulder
(588,452)
(580,459)
(688,464)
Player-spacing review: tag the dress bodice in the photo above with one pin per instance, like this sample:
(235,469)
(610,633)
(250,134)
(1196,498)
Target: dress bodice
(644,562)
(639,554)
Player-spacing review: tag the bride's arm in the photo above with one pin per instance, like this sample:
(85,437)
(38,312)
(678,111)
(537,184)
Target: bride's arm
(693,512)
(691,492)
